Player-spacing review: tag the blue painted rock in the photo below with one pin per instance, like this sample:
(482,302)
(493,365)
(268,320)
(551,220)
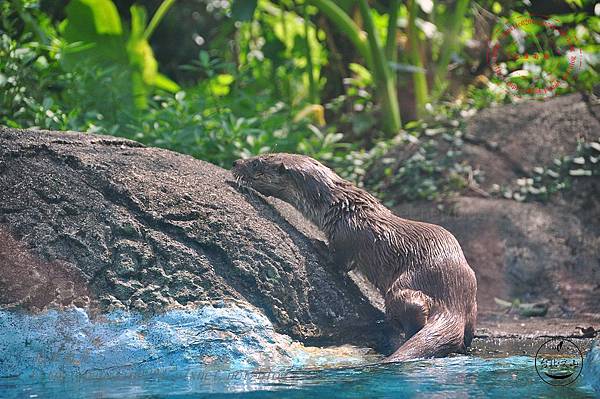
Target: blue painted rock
(591,367)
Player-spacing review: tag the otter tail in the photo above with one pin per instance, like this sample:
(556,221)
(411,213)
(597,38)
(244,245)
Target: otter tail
(441,335)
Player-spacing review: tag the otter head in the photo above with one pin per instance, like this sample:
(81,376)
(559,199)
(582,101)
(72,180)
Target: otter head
(300,180)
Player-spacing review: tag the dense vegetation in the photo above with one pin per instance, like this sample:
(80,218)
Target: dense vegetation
(341,81)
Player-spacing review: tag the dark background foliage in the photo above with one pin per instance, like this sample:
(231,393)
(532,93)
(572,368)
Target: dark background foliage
(223,79)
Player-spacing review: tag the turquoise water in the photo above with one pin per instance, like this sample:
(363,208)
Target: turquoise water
(512,377)
(232,350)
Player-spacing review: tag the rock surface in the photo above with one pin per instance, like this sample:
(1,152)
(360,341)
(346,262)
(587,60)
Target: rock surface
(108,224)
(508,142)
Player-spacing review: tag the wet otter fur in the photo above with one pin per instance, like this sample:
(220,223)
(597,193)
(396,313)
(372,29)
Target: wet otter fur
(428,286)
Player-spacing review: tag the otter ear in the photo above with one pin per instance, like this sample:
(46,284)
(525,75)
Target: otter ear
(281,168)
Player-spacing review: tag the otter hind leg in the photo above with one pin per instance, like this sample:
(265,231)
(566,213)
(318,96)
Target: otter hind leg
(470,326)
(408,307)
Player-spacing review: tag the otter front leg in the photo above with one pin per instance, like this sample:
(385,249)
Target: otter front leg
(409,308)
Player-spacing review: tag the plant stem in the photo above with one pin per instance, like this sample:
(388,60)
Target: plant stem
(346,25)
(31,23)
(312,87)
(419,78)
(391,50)
(286,79)
(450,41)
(157,17)
(383,77)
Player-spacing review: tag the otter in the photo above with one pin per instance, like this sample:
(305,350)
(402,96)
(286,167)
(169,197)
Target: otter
(428,287)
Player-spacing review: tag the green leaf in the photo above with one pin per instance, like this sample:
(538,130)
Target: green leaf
(526,23)
(142,59)
(578,3)
(97,25)
(243,10)
(101,13)
(138,22)
(533,309)
(362,72)
(496,7)
(140,90)
(141,56)
(219,85)
(164,83)
(225,79)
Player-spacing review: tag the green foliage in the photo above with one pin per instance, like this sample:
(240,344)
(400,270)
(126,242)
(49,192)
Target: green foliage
(96,25)
(262,83)
(36,92)
(557,176)
(224,117)
(419,78)
(373,52)
(541,57)
(425,162)
(25,72)
(221,129)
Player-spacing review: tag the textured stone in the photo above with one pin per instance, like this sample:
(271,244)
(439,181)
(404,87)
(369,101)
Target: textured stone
(106,223)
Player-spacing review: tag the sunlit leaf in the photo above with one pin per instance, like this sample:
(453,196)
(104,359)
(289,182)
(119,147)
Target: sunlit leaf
(225,79)
(102,14)
(164,83)
(315,111)
(138,22)
(578,3)
(496,7)
(528,24)
(219,85)
(361,71)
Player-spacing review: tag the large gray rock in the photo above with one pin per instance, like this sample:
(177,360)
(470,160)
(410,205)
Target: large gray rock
(106,223)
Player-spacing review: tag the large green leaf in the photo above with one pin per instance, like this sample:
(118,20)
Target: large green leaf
(141,58)
(102,14)
(138,22)
(96,24)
